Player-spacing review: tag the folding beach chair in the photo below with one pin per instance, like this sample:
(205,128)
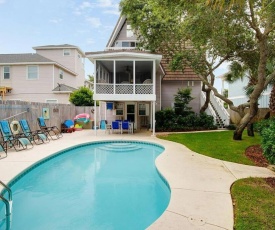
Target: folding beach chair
(115,126)
(53,132)
(18,142)
(3,150)
(38,137)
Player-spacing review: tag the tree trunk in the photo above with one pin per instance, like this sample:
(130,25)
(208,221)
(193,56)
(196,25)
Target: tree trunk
(246,120)
(250,130)
(207,100)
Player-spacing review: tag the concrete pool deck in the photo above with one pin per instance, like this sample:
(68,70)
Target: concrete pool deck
(200,185)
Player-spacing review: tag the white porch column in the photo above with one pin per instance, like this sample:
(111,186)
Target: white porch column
(154,119)
(95,121)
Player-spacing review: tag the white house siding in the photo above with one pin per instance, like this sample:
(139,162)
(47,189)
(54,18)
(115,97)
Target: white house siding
(68,78)
(38,90)
(72,62)
(170,88)
(237,95)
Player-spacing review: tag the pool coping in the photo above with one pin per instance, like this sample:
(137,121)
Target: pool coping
(200,185)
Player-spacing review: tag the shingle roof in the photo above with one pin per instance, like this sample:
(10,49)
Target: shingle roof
(62,88)
(188,74)
(23,58)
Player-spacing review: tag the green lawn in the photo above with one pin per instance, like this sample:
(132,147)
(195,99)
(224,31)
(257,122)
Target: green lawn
(254,199)
(254,205)
(218,145)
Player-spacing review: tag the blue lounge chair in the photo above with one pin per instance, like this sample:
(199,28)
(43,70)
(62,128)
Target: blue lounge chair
(125,126)
(53,132)
(3,148)
(18,142)
(115,126)
(38,137)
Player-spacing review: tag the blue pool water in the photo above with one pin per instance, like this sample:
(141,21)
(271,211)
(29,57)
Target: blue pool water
(108,185)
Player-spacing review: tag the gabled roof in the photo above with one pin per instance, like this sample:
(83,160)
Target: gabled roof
(30,59)
(62,88)
(187,74)
(62,46)
(116,30)
(23,58)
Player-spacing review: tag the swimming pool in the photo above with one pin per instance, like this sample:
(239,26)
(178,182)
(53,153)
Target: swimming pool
(100,185)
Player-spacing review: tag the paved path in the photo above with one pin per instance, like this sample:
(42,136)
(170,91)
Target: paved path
(200,185)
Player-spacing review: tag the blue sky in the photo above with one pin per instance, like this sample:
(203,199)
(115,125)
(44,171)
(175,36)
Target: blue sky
(87,24)
(28,23)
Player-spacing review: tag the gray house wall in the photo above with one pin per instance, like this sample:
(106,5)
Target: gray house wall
(170,88)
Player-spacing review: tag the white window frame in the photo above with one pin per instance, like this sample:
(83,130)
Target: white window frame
(66,52)
(51,101)
(4,72)
(61,74)
(37,72)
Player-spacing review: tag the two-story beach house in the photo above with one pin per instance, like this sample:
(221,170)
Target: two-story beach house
(49,75)
(132,84)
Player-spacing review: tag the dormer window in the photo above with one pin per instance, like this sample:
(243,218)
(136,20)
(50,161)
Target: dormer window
(66,52)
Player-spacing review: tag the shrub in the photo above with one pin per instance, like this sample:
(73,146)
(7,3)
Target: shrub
(263,124)
(268,136)
(82,97)
(168,120)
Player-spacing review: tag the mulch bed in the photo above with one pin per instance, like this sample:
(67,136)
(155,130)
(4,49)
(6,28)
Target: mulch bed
(255,153)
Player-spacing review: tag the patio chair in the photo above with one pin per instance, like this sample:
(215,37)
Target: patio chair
(38,137)
(115,126)
(125,126)
(147,81)
(67,126)
(51,131)
(18,142)
(3,148)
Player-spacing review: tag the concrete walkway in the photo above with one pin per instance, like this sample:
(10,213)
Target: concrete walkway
(200,185)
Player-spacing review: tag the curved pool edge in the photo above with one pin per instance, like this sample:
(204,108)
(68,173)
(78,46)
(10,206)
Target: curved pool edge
(63,151)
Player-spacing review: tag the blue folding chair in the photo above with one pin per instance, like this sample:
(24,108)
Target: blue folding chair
(50,131)
(115,126)
(38,137)
(125,126)
(18,142)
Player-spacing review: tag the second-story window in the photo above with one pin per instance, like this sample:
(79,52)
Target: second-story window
(61,74)
(66,52)
(6,72)
(32,72)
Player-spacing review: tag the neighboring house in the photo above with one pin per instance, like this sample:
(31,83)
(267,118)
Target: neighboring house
(236,94)
(49,75)
(137,83)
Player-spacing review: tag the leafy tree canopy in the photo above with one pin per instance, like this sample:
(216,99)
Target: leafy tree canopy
(82,97)
(202,34)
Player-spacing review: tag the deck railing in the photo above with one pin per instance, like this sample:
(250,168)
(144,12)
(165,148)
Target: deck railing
(109,88)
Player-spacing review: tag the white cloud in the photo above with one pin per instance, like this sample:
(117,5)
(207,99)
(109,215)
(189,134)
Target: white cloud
(86,5)
(95,22)
(115,12)
(105,3)
(55,20)
(90,41)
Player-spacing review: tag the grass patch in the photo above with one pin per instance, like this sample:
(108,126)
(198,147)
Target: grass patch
(218,145)
(254,205)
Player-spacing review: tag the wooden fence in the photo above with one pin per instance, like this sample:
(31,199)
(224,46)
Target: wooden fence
(58,113)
